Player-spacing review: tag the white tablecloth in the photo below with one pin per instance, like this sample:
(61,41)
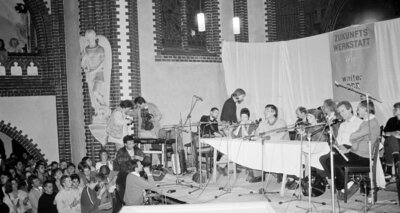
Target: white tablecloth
(279,156)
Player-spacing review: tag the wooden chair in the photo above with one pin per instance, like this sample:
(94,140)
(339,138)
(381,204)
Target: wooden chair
(206,154)
(363,172)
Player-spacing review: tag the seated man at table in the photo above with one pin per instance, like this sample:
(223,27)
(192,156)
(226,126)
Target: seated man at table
(347,127)
(209,124)
(358,152)
(392,141)
(271,128)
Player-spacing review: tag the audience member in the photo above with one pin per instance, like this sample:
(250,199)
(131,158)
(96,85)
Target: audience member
(136,185)
(128,152)
(71,169)
(88,162)
(35,191)
(92,195)
(66,199)
(57,174)
(63,164)
(46,201)
(85,175)
(40,171)
(104,160)
(17,200)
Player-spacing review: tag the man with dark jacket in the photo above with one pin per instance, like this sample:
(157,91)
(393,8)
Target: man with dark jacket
(129,152)
(46,201)
(90,199)
(229,113)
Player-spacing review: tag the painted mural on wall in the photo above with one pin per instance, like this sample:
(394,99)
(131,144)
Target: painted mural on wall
(15,28)
(96,64)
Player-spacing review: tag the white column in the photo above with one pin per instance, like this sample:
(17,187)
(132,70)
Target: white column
(123,44)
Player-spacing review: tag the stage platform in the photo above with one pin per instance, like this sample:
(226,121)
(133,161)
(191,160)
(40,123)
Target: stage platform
(243,191)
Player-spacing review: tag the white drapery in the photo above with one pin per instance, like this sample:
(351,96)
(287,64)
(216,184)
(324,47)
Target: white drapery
(287,74)
(297,73)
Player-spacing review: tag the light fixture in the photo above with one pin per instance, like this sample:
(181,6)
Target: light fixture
(201,23)
(236,25)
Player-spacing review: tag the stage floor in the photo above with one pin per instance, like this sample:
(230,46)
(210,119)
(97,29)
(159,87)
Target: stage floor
(241,191)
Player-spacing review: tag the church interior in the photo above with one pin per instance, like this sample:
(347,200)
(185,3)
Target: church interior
(69,69)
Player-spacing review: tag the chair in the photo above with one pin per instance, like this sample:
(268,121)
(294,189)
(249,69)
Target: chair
(206,153)
(363,172)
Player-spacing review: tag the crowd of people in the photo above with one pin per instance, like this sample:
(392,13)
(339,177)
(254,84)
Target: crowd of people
(29,185)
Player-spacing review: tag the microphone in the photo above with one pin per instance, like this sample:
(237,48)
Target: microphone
(198,97)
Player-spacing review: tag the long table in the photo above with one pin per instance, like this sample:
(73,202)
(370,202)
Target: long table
(278,157)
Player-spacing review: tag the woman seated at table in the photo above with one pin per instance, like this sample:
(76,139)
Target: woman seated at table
(245,127)
(314,128)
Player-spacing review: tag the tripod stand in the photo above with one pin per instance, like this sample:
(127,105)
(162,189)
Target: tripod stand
(180,130)
(309,207)
(227,188)
(263,189)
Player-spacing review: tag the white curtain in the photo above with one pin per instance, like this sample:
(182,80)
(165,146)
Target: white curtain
(297,73)
(286,74)
(388,58)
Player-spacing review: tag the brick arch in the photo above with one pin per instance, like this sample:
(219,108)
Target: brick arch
(18,136)
(41,22)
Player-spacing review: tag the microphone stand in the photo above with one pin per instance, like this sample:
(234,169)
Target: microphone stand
(179,131)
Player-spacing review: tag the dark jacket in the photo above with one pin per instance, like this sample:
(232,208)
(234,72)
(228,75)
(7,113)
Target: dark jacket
(123,156)
(228,112)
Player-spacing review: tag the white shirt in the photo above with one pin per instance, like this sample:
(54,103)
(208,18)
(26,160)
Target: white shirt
(346,129)
(131,153)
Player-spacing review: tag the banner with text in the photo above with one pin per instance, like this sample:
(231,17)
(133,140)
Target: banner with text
(353,57)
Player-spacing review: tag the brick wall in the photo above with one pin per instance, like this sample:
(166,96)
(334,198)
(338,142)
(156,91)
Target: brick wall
(285,20)
(50,60)
(271,33)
